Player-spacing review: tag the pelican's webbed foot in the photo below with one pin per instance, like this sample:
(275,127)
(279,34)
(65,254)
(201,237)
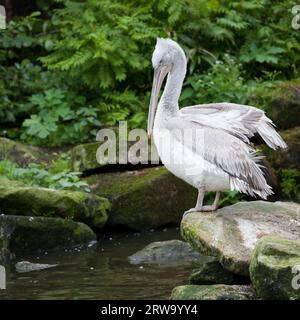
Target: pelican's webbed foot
(199,207)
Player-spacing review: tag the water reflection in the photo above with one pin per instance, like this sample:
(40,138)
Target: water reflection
(99,272)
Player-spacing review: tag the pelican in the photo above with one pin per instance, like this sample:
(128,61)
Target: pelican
(217,156)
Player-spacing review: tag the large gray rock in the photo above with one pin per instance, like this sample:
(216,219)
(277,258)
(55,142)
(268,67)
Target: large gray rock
(18,199)
(231,233)
(20,234)
(213,292)
(166,252)
(275,268)
(144,199)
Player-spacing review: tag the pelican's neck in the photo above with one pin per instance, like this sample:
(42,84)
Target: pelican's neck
(171,94)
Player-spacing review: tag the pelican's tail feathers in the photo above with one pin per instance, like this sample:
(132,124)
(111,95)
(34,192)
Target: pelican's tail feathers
(242,186)
(265,128)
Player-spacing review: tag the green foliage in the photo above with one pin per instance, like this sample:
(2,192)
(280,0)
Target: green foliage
(290,183)
(224,82)
(227,198)
(59,117)
(37,175)
(71,56)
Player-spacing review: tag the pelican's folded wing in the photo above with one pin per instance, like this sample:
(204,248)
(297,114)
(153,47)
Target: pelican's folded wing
(226,151)
(239,120)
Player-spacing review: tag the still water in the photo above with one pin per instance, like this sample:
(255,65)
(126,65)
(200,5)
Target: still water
(99,272)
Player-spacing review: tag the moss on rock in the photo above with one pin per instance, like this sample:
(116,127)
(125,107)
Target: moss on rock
(283,104)
(34,201)
(288,158)
(84,156)
(274,267)
(213,292)
(230,233)
(22,154)
(20,234)
(145,198)
(211,272)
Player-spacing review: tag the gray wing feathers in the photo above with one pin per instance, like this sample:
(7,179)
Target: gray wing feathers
(239,120)
(227,128)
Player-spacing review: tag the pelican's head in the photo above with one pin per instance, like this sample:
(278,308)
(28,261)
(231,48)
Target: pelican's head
(164,55)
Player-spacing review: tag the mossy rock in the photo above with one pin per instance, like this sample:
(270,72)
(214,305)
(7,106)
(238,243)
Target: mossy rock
(84,156)
(230,233)
(23,154)
(16,199)
(171,252)
(211,272)
(275,268)
(213,292)
(283,105)
(19,234)
(288,158)
(144,199)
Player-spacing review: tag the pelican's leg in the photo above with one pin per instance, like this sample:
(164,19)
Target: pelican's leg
(215,205)
(199,203)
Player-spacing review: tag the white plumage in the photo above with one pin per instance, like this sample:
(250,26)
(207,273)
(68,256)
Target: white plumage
(206,145)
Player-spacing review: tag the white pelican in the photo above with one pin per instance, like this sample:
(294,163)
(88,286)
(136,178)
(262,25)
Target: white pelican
(220,157)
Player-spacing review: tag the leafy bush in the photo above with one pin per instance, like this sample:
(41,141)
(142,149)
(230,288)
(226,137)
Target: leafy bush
(37,175)
(95,55)
(290,183)
(59,117)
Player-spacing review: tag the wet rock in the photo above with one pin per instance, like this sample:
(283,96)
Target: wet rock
(144,199)
(213,292)
(22,154)
(18,199)
(275,268)
(230,233)
(211,272)
(20,234)
(26,266)
(166,252)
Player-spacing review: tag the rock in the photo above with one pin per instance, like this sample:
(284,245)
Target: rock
(20,234)
(288,158)
(275,268)
(144,199)
(17,199)
(165,252)
(26,266)
(22,154)
(213,292)
(284,105)
(231,233)
(211,272)
(83,156)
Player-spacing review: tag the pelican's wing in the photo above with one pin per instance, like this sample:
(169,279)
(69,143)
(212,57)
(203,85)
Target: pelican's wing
(239,120)
(226,151)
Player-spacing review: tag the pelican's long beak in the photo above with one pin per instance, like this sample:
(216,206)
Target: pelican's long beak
(158,78)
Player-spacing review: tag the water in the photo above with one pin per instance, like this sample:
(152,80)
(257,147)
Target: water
(99,272)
